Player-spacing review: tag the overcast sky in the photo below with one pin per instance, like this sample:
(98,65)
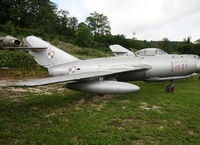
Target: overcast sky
(149,19)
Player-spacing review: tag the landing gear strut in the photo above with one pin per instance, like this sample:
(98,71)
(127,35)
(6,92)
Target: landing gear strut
(170,87)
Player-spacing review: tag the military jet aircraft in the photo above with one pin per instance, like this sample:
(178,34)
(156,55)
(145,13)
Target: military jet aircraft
(107,75)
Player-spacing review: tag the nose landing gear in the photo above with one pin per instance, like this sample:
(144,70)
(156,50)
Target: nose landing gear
(170,87)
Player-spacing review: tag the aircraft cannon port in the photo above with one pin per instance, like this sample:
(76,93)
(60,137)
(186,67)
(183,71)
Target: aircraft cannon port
(103,87)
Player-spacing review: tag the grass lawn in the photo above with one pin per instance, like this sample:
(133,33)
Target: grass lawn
(52,115)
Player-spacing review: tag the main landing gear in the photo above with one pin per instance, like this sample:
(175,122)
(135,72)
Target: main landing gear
(170,87)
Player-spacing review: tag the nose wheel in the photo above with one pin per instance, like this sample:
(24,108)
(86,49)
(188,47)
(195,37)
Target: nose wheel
(170,87)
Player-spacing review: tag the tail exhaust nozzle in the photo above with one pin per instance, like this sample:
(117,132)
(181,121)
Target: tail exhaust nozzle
(9,41)
(17,42)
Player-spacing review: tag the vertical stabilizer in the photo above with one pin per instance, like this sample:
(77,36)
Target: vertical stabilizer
(121,51)
(50,56)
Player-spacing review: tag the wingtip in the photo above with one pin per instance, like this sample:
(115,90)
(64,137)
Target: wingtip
(6,84)
(14,84)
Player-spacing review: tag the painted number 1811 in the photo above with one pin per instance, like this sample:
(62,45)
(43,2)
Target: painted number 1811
(178,66)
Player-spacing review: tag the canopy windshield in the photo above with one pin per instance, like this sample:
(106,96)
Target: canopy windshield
(150,52)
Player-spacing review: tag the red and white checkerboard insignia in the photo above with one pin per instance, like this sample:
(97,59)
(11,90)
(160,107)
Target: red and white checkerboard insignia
(72,69)
(50,54)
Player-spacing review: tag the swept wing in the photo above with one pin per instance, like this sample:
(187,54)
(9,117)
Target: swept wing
(80,76)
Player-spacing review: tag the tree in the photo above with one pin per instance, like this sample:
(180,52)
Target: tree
(165,45)
(187,39)
(98,23)
(121,40)
(197,41)
(165,39)
(197,49)
(84,37)
(72,26)
(63,18)
(72,23)
(67,26)
(5,11)
(81,24)
(187,47)
(9,28)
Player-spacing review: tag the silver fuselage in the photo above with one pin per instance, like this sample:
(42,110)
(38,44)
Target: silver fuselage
(161,66)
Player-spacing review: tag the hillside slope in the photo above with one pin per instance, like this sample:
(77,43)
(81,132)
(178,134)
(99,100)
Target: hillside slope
(20,64)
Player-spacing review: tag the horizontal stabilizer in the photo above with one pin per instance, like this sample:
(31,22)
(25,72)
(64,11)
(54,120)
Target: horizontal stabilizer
(26,48)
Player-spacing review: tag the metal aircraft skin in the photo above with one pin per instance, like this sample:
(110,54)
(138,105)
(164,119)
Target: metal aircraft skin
(9,41)
(107,75)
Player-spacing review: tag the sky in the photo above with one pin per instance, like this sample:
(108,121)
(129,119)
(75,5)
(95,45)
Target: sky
(142,19)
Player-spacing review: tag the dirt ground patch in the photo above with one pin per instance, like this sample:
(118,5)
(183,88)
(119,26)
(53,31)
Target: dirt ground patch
(145,106)
(47,90)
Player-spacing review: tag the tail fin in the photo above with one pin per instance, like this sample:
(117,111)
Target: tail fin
(47,57)
(121,51)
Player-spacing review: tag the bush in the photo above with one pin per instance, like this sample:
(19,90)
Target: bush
(16,59)
(9,28)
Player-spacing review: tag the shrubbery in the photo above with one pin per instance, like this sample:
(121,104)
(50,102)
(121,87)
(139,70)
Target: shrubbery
(17,59)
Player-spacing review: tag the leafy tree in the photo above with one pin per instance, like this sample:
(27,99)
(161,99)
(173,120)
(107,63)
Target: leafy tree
(72,26)
(81,24)
(136,44)
(196,49)
(67,25)
(121,40)
(63,19)
(187,47)
(73,23)
(9,28)
(187,39)
(5,7)
(84,37)
(165,39)
(98,23)
(165,45)
(197,41)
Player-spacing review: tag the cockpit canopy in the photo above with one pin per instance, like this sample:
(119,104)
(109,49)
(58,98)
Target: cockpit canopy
(150,52)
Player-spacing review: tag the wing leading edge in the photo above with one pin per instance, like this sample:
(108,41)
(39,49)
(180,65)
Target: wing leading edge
(78,76)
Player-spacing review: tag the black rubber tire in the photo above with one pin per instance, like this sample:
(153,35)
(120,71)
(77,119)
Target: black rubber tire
(172,89)
(167,88)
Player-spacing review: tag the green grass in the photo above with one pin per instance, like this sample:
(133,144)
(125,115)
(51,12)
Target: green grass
(150,116)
